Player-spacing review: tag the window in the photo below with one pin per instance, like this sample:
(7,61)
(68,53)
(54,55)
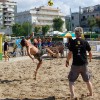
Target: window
(92,15)
(72,17)
(83,17)
(72,25)
(97,14)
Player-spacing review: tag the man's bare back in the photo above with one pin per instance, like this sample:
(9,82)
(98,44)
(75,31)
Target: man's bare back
(31,48)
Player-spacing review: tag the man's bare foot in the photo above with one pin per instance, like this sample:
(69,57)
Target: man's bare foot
(75,98)
(89,94)
(86,95)
(56,55)
(72,97)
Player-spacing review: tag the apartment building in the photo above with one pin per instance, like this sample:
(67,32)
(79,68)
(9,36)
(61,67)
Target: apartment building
(8,9)
(68,23)
(81,18)
(75,20)
(43,15)
(86,12)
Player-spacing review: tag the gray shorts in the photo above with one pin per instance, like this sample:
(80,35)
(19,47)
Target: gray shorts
(76,70)
(38,55)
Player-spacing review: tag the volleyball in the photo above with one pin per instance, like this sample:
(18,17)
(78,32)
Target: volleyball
(50,3)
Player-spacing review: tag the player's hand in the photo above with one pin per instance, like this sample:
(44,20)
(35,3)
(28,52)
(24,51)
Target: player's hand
(67,63)
(33,60)
(33,33)
(89,60)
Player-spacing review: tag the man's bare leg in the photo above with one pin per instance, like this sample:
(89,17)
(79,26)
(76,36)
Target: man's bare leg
(38,66)
(71,87)
(89,86)
(6,56)
(51,52)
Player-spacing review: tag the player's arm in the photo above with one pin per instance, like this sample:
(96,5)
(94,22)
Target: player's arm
(68,58)
(88,48)
(31,36)
(90,55)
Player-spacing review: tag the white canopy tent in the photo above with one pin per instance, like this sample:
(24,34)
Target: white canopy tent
(54,33)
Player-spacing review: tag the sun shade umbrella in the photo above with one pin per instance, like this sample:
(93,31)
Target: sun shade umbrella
(67,35)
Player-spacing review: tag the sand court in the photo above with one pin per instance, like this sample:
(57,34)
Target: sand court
(17,80)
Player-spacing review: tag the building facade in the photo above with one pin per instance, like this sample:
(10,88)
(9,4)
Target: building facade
(88,12)
(8,9)
(43,15)
(68,23)
(74,20)
(81,18)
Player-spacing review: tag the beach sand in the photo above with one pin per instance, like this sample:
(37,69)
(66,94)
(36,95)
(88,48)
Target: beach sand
(17,80)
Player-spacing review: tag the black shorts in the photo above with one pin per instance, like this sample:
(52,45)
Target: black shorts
(35,44)
(76,70)
(39,55)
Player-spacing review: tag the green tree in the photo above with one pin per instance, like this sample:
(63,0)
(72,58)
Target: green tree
(98,21)
(22,30)
(37,29)
(57,24)
(68,25)
(15,29)
(45,29)
(26,28)
(91,23)
(3,38)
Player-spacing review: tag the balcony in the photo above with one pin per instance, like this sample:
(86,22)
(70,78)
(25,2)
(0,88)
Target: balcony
(9,15)
(43,18)
(0,9)
(10,10)
(84,19)
(5,6)
(10,3)
(8,20)
(47,13)
(44,23)
(7,24)
(84,23)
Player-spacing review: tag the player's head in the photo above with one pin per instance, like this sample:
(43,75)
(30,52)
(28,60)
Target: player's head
(78,31)
(23,43)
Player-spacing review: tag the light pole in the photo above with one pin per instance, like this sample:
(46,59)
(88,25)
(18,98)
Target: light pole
(28,26)
(70,20)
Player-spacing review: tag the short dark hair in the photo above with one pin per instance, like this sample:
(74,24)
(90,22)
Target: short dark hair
(22,42)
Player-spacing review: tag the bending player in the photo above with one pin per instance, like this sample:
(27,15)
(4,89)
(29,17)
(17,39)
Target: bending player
(32,50)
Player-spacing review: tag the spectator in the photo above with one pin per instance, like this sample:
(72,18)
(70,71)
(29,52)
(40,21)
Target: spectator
(6,48)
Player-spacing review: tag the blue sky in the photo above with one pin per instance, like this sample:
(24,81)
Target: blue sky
(64,5)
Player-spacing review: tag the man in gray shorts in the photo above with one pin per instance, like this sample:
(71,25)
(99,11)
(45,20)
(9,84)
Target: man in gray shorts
(75,71)
(78,48)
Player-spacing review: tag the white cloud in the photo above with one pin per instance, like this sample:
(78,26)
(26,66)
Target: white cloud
(64,5)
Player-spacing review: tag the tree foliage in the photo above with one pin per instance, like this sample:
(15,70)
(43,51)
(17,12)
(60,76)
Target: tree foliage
(68,25)
(15,29)
(37,29)
(57,24)
(27,27)
(91,22)
(45,29)
(98,21)
(22,30)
